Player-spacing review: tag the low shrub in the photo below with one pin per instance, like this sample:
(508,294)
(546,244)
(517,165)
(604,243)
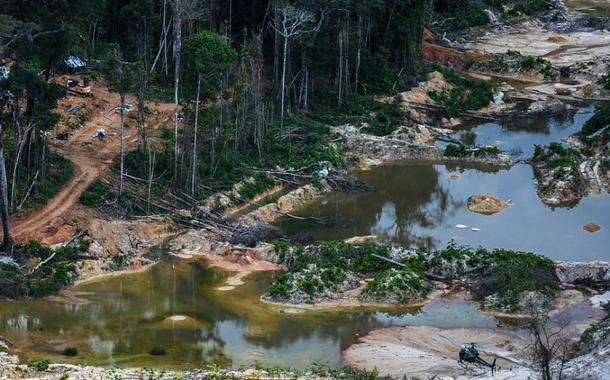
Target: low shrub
(40,364)
(468,94)
(96,194)
(158,351)
(396,286)
(70,351)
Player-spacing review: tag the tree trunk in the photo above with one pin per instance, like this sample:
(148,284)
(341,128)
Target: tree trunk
(177,47)
(7,240)
(122,153)
(340,71)
(283,84)
(164,35)
(194,165)
(304,88)
(358,54)
(276,54)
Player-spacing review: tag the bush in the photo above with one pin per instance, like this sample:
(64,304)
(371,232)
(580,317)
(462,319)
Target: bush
(598,121)
(396,286)
(513,62)
(96,194)
(70,351)
(468,94)
(158,351)
(507,275)
(41,364)
(261,183)
(18,281)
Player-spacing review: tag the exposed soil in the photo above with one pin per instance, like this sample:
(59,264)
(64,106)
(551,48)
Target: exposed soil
(424,352)
(90,156)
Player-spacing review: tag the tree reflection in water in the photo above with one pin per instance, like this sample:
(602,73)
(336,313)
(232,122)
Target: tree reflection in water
(409,199)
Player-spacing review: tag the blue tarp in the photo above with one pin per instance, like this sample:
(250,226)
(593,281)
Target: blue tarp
(75,62)
(4,72)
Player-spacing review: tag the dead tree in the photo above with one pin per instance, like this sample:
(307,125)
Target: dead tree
(7,240)
(289,22)
(550,346)
(194,163)
(183,10)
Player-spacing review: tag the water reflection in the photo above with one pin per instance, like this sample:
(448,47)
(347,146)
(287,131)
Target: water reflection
(120,319)
(419,205)
(519,135)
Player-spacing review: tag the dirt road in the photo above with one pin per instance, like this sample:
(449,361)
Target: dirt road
(90,156)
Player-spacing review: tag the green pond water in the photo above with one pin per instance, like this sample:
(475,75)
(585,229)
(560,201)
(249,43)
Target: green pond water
(118,320)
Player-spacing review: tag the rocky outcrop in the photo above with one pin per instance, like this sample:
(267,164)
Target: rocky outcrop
(285,204)
(116,245)
(126,237)
(595,274)
(377,148)
(486,204)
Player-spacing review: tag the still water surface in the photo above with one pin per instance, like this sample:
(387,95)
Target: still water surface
(120,319)
(419,205)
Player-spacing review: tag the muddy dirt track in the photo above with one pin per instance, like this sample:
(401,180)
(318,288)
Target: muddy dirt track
(90,157)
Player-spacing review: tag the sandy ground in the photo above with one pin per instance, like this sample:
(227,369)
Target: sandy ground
(533,40)
(423,351)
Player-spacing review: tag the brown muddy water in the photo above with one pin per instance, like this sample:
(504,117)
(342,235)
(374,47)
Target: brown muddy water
(118,320)
(176,306)
(589,7)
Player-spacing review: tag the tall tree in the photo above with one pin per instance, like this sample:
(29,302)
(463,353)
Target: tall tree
(207,57)
(120,76)
(7,239)
(183,10)
(289,22)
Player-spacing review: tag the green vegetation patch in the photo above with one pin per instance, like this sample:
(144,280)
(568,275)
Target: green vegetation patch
(40,364)
(381,119)
(23,280)
(468,94)
(96,194)
(597,333)
(461,150)
(507,275)
(558,164)
(261,182)
(513,62)
(500,278)
(454,16)
(396,286)
(596,130)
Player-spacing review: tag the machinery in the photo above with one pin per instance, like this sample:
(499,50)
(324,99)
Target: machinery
(470,355)
(76,88)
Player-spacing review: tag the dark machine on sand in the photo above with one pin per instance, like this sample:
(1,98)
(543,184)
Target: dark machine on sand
(470,355)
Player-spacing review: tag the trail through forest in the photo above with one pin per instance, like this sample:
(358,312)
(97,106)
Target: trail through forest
(89,155)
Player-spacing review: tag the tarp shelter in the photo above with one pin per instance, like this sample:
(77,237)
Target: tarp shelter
(4,71)
(74,64)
